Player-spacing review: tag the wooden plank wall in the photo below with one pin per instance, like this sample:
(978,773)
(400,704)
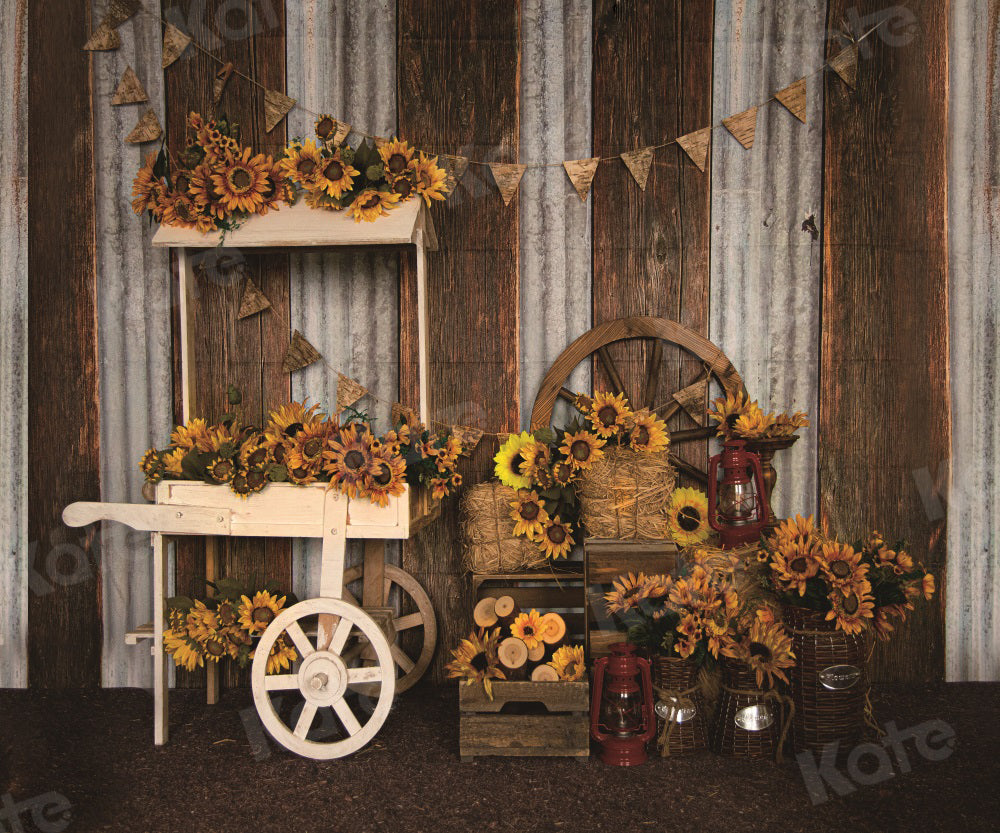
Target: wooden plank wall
(972,499)
(884,398)
(14,343)
(63,443)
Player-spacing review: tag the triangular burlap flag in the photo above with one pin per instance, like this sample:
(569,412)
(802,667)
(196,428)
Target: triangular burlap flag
(253,300)
(276,107)
(693,398)
(794,99)
(129,89)
(468,436)
(581,174)
(695,145)
(341,130)
(300,353)
(845,64)
(119,11)
(103,39)
(507,178)
(454,169)
(400,414)
(349,391)
(220,81)
(147,130)
(638,162)
(743,126)
(174,44)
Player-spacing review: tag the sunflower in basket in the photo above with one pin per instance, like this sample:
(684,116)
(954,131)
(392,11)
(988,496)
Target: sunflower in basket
(791,529)
(510,458)
(582,449)
(568,663)
(527,627)
(841,565)
(609,414)
(556,539)
(528,514)
(852,608)
(766,648)
(794,563)
(257,613)
(687,517)
(475,660)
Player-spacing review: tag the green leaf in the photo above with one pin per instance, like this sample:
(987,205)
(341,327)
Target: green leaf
(194,465)
(545,435)
(278,474)
(375,173)
(161,166)
(234,395)
(179,603)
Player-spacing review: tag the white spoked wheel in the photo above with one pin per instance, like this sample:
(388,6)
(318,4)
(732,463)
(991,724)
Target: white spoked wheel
(326,680)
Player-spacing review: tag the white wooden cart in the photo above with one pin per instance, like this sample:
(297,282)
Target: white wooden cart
(350,660)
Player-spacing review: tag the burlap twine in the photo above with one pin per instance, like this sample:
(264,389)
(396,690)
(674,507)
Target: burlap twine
(626,493)
(490,545)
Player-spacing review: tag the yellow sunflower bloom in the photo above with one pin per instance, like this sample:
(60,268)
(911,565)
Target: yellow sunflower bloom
(609,414)
(556,540)
(753,423)
(649,433)
(527,627)
(841,565)
(302,163)
(794,565)
(396,155)
(281,657)
(325,126)
(790,530)
(431,180)
(767,649)
(627,591)
(335,177)
(221,470)
(535,458)
(852,610)
(475,660)
(386,476)
(257,613)
(185,654)
(528,514)
(193,434)
(370,204)
(243,180)
(146,187)
(509,460)
(569,663)
(582,449)
(726,410)
(687,517)
(346,460)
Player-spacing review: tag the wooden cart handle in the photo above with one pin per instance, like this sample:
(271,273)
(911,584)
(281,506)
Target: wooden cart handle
(175,520)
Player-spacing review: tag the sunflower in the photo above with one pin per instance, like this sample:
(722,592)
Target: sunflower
(281,657)
(726,410)
(582,449)
(441,486)
(903,563)
(243,181)
(152,465)
(475,660)
(785,425)
(535,458)
(185,654)
(431,180)
(556,540)
(257,613)
(146,187)
(795,564)
(649,433)
(335,177)
(609,414)
(202,191)
(401,185)
(767,649)
(752,423)
(527,627)
(370,204)
(568,662)
(927,586)
(386,476)
(716,633)
(396,155)
(201,622)
(841,565)
(311,439)
(248,481)
(293,417)
(628,590)
(253,451)
(528,514)
(193,434)
(221,470)
(509,460)
(326,126)
(852,608)
(215,647)
(790,530)
(563,473)
(687,517)
(173,460)
(347,460)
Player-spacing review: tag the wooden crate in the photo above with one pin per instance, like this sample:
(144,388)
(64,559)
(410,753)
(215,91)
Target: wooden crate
(560,588)
(556,724)
(605,559)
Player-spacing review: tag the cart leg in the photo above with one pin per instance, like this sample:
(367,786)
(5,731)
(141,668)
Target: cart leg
(211,668)
(331,582)
(160,692)
(374,576)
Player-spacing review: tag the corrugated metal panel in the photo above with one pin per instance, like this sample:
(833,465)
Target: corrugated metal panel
(972,602)
(134,342)
(14,551)
(341,59)
(555,257)
(765,268)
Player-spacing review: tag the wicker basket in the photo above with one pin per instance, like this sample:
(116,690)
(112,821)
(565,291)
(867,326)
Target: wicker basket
(625,495)
(829,701)
(680,676)
(741,705)
(490,545)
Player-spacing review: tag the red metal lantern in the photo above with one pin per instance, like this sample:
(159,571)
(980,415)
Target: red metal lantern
(621,707)
(736,504)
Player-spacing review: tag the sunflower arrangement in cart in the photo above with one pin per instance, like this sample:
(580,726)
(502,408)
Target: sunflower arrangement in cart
(867,585)
(300,445)
(544,466)
(226,625)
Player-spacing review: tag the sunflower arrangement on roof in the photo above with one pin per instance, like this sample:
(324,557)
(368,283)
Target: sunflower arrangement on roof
(865,585)
(741,418)
(225,626)
(300,445)
(544,466)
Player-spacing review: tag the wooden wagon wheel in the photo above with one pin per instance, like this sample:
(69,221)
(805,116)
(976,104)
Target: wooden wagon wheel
(410,669)
(595,342)
(325,674)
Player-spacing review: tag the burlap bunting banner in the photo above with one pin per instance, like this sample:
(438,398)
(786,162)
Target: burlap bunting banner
(253,300)
(454,169)
(693,399)
(174,43)
(400,413)
(276,107)
(743,126)
(220,81)
(147,130)
(118,12)
(507,178)
(638,163)
(468,436)
(845,64)
(793,97)
(349,391)
(581,174)
(300,353)
(129,89)
(104,39)
(695,145)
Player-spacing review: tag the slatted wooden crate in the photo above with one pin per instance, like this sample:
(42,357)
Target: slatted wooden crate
(560,588)
(604,560)
(525,719)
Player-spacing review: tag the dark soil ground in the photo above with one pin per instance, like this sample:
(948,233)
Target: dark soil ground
(218,773)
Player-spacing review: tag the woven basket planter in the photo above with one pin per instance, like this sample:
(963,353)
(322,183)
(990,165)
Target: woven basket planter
(828,682)
(680,678)
(490,545)
(737,728)
(625,495)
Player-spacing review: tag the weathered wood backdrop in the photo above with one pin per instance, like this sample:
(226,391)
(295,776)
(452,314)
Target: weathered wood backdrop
(851,323)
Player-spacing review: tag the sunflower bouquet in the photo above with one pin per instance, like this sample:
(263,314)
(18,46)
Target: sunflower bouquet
(545,466)
(300,445)
(740,418)
(226,625)
(368,180)
(869,584)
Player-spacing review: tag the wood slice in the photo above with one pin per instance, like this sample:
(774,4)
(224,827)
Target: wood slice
(544,674)
(513,653)
(506,609)
(484,613)
(553,629)
(537,654)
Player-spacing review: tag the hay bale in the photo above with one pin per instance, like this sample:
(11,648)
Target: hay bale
(625,494)
(488,532)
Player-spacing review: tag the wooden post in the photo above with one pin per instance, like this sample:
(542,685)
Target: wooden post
(161,693)
(422,367)
(331,582)
(211,573)
(373,591)
(185,277)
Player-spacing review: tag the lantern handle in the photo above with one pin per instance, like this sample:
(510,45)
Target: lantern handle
(758,472)
(647,699)
(600,665)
